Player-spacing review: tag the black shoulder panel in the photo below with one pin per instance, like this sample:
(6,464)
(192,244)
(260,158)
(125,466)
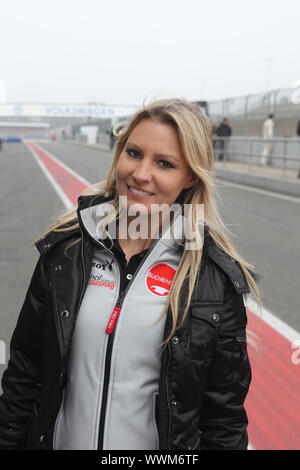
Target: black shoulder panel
(52,238)
(229,266)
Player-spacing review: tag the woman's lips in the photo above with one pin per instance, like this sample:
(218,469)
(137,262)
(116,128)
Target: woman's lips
(136,194)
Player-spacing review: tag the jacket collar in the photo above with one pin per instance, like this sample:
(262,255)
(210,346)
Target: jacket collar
(51,239)
(90,201)
(91,213)
(229,266)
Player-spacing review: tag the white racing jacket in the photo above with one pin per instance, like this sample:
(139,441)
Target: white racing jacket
(114,362)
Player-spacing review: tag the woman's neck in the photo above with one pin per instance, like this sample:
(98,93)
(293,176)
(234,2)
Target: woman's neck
(136,234)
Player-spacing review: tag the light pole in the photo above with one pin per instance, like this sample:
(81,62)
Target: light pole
(2,92)
(268,72)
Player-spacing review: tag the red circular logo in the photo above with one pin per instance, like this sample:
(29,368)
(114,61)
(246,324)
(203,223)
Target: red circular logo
(159,279)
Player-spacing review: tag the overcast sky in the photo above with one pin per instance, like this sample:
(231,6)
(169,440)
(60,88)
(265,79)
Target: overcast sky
(123,51)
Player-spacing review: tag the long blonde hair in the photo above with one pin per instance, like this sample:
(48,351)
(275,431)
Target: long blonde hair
(195,136)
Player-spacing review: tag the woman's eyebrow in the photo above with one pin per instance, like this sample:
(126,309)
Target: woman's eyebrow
(162,155)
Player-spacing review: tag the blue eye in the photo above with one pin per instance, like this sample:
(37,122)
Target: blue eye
(136,154)
(165,164)
(132,153)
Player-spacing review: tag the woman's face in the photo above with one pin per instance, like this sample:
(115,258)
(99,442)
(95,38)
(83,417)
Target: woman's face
(151,167)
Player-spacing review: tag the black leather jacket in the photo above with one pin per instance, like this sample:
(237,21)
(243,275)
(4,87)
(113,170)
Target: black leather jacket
(205,371)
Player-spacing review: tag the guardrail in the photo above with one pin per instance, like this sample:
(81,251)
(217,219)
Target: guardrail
(282,152)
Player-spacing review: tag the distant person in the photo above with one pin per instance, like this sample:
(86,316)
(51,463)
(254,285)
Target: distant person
(224,130)
(214,128)
(298,135)
(0,142)
(268,134)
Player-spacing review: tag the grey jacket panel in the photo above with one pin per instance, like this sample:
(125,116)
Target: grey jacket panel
(135,360)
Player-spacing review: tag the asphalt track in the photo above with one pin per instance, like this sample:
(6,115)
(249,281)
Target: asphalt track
(40,180)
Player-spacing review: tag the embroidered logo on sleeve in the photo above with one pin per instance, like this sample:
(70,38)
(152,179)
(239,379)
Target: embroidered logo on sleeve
(159,279)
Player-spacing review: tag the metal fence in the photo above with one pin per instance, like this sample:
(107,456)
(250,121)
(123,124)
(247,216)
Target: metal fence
(247,113)
(283,153)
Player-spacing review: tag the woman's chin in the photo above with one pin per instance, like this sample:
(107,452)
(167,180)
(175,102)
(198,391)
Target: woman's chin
(138,208)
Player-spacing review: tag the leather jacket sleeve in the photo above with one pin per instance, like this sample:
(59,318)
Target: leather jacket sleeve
(223,423)
(21,381)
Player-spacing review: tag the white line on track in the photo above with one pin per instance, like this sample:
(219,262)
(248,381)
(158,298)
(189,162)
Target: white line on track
(63,197)
(66,167)
(265,192)
(279,325)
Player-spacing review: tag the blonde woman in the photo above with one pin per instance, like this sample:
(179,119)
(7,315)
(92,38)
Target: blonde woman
(133,330)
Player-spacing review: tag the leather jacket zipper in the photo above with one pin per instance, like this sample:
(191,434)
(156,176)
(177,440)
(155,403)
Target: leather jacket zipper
(196,443)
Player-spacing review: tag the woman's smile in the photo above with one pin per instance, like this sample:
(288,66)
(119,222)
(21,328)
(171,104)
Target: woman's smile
(139,193)
(152,168)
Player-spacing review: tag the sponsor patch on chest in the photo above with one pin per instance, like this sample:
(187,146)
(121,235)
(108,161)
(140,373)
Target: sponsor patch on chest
(102,274)
(159,279)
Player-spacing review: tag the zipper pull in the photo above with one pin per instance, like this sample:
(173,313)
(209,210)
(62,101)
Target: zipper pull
(112,321)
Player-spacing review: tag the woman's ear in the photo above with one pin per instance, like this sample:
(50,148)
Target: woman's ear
(191,181)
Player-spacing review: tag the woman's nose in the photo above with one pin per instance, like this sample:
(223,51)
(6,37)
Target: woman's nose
(142,171)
